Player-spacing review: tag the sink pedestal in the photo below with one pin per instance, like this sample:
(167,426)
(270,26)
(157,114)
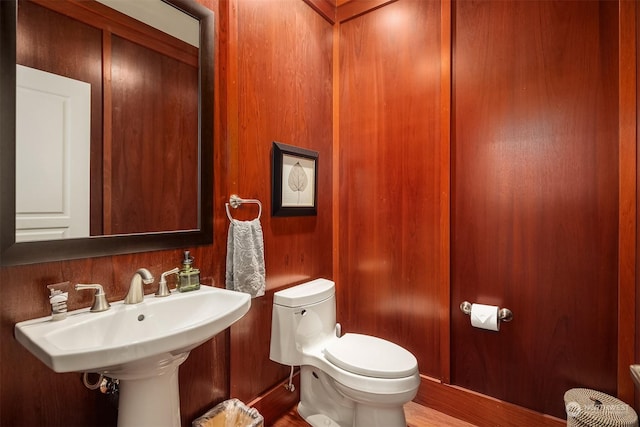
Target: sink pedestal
(149,393)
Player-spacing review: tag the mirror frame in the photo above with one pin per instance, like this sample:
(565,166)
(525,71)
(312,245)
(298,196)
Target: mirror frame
(12,253)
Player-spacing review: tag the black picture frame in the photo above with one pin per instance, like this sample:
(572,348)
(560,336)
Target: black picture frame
(294,181)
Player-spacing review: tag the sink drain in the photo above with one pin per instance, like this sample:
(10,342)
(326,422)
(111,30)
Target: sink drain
(140,317)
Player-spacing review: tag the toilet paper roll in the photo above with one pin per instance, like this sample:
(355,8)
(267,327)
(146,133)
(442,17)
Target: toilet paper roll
(485,317)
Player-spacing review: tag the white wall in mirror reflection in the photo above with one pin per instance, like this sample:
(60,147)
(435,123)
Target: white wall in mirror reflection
(160,15)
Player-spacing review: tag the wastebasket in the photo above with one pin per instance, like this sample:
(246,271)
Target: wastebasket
(230,413)
(591,408)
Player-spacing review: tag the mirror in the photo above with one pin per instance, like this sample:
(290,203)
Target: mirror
(117,137)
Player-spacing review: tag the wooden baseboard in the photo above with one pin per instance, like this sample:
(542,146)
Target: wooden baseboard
(277,401)
(478,409)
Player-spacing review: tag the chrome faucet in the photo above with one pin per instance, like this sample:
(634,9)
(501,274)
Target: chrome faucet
(136,293)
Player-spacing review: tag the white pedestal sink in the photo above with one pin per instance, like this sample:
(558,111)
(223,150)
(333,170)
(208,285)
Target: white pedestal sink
(142,345)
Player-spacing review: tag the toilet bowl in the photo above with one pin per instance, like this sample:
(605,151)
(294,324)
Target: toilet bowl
(349,380)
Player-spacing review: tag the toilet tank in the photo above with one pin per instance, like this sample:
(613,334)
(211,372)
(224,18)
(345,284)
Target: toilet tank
(303,316)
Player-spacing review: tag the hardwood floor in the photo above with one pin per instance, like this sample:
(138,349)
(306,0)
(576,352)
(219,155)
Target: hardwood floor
(417,416)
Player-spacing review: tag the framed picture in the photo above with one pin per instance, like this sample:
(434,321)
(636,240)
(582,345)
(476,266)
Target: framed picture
(294,181)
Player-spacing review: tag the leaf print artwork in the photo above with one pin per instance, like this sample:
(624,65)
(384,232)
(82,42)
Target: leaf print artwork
(294,181)
(298,179)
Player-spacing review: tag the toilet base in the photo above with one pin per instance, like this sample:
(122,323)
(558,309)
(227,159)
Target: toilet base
(323,403)
(378,417)
(319,398)
(316,420)
(363,416)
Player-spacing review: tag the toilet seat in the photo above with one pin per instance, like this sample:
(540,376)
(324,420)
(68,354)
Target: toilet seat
(370,356)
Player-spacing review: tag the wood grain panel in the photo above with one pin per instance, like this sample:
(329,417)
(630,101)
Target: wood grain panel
(637,208)
(535,197)
(154,141)
(283,93)
(628,199)
(350,9)
(326,8)
(341,11)
(389,280)
(252,372)
(446,56)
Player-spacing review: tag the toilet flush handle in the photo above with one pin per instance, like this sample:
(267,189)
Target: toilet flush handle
(338,330)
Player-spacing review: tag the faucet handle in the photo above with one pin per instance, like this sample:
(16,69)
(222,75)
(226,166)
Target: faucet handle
(100,302)
(163,289)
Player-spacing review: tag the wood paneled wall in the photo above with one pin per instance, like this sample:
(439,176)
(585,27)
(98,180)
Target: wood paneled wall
(534,214)
(32,395)
(280,81)
(389,184)
(281,92)
(535,183)
(635,179)
(628,308)
(535,198)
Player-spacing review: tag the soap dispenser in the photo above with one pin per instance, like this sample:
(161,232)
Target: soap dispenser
(188,277)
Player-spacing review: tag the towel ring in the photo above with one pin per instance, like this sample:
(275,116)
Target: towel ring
(235,201)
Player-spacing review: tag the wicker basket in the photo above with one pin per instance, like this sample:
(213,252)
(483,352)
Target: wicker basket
(590,408)
(230,413)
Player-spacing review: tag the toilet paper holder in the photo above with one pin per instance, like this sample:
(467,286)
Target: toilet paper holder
(504,314)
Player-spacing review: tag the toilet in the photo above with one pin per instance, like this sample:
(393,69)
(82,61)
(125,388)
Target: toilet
(345,380)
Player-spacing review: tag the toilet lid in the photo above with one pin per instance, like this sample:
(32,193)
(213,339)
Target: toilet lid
(371,356)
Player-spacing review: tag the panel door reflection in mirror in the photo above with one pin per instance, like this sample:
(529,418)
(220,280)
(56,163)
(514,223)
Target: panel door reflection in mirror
(52,158)
(144,112)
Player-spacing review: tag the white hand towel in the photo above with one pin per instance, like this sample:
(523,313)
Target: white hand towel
(245,258)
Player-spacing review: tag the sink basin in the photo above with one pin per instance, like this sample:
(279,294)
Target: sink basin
(135,341)
(103,342)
